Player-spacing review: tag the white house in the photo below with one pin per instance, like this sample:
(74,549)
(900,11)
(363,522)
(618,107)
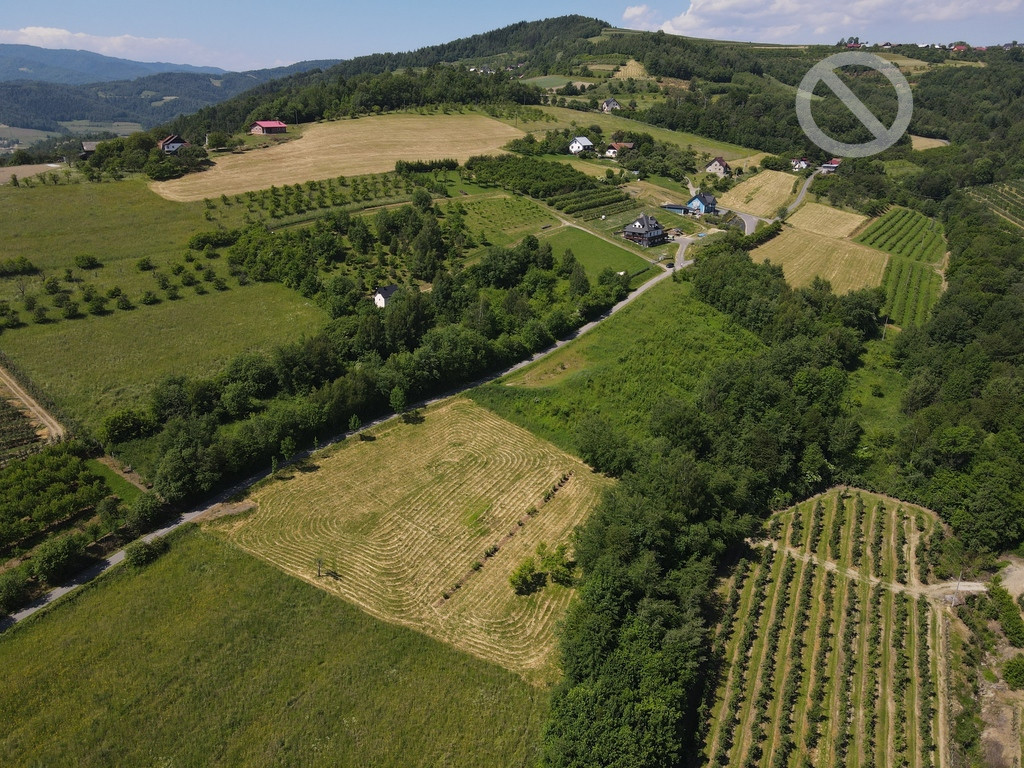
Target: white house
(581,144)
(615,147)
(171,144)
(382,295)
(799,163)
(610,105)
(718,166)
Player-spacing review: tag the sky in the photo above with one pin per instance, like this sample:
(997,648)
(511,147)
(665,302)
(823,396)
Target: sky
(259,33)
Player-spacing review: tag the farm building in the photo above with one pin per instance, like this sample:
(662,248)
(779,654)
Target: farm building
(799,163)
(171,144)
(616,147)
(719,167)
(580,144)
(88,148)
(382,295)
(645,231)
(831,165)
(268,126)
(609,105)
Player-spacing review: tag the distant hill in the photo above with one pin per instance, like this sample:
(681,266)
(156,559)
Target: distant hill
(149,100)
(29,62)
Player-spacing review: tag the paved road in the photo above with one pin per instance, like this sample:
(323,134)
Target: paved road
(187,517)
(801,194)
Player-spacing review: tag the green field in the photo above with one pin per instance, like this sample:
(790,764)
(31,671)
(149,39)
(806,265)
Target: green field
(1006,199)
(912,280)
(117,357)
(829,649)
(211,657)
(568,118)
(596,255)
(664,340)
(505,219)
(121,128)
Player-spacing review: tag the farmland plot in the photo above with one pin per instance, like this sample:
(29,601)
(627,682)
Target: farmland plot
(826,220)
(1006,199)
(912,280)
(804,255)
(397,524)
(830,642)
(761,195)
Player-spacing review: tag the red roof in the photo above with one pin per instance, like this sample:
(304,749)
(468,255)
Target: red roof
(959,48)
(270,124)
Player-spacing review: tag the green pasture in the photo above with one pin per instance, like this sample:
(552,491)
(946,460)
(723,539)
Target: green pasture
(570,118)
(97,364)
(209,656)
(657,347)
(596,255)
(127,492)
(26,136)
(119,127)
(548,81)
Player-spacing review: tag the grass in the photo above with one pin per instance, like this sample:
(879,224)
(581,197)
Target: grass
(656,347)
(855,660)
(120,487)
(762,194)
(119,127)
(804,255)
(118,223)
(26,136)
(505,218)
(567,118)
(95,365)
(596,255)
(826,220)
(211,657)
(921,143)
(400,520)
(549,81)
(346,147)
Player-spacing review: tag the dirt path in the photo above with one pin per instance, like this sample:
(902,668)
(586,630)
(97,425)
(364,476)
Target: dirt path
(54,431)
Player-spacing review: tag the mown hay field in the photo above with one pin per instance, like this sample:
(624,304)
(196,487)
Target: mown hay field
(397,522)
(211,657)
(921,143)
(345,148)
(761,195)
(806,255)
(832,641)
(826,220)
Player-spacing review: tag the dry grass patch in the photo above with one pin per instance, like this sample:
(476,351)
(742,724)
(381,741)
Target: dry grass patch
(633,69)
(825,220)
(400,520)
(921,143)
(345,148)
(804,255)
(761,195)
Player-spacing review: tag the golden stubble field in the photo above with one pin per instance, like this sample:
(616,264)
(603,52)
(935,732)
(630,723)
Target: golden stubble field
(826,220)
(397,521)
(761,195)
(345,148)
(803,255)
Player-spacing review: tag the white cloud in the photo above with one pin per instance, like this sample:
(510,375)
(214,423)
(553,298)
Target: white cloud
(640,17)
(175,50)
(821,21)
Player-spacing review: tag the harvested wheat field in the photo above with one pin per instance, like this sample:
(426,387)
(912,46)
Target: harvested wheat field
(761,195)
(827,221)
(399,521)
(805,255)
(344,148)
(921,143)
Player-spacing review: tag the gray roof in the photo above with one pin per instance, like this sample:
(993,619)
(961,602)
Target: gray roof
(644,223)
(386,291)
(584,141)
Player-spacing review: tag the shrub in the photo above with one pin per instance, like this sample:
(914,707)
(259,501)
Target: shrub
(58,558)
(13,590)
(1013,672)
(526,579)
(145,513)
(141,553)
(84,261)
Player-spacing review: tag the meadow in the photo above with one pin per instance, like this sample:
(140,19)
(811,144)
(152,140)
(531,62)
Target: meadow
(401,525)
(504,219)
(664,340)
(804,255)
(211,657)
(348,148)
(117,357)
(570,118)
(762,194)
(832,645)
(597,255)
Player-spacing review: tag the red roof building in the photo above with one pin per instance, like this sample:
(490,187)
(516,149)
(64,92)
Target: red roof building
(268,126)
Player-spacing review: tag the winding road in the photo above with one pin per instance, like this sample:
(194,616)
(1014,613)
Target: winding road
(208,505)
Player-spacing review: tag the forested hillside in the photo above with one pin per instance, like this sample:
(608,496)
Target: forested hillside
(29,62)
